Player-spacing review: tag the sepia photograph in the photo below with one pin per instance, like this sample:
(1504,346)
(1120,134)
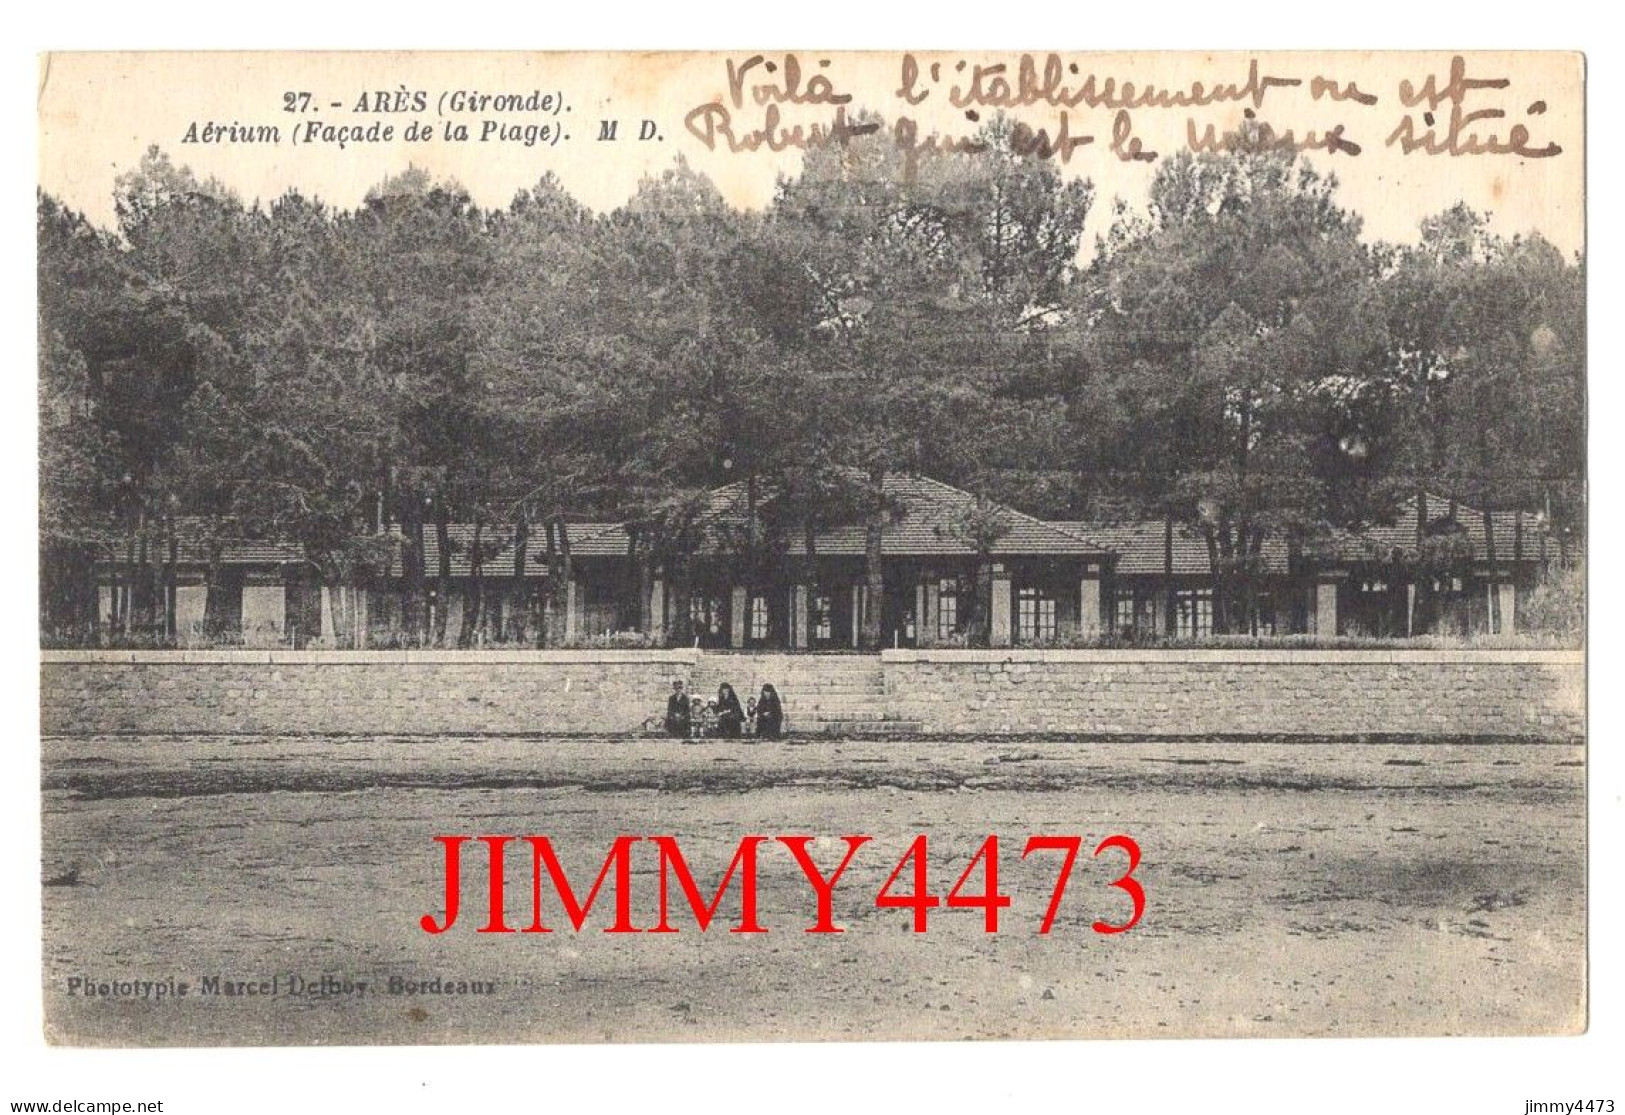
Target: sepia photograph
(811,546)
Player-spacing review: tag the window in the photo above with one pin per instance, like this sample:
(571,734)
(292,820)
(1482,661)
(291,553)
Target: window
(1264,614)
(705,613)
(1193,613)
(821,626)
(1035,615)
(947,608)
(1125,614)
(1134,614)
(758,617)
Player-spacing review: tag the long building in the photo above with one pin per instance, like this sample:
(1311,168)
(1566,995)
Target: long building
(957,570)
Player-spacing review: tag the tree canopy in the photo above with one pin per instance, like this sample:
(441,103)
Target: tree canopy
(1237,357)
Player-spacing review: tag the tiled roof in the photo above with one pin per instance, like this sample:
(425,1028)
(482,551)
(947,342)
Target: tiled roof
(192,535)
(1140,546)
(1381,541)
(496,541)
(923,524)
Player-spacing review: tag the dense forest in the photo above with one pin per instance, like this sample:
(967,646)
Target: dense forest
(1231,353)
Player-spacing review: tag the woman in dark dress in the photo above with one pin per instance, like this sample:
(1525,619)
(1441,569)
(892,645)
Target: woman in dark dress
(730,715)
(678,716)
(769,714)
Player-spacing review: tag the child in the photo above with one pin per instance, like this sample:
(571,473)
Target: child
(750,716)
(697,717)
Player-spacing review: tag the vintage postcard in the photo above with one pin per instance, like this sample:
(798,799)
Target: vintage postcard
(791,545)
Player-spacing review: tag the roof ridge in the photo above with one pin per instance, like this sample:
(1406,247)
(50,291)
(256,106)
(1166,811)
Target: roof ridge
(1045,524)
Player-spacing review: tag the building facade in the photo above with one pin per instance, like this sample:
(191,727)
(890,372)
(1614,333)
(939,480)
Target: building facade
(957,570)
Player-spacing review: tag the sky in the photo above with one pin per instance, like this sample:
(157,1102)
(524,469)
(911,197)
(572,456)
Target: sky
(98,113)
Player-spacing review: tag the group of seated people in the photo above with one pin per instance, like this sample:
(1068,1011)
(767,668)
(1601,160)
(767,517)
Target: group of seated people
(723,718)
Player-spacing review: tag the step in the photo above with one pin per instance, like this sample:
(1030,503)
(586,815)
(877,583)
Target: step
(858,727)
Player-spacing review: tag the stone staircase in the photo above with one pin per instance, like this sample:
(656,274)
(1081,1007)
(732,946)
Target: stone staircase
(827,694)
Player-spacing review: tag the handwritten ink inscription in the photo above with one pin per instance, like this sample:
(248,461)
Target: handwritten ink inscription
(769,100)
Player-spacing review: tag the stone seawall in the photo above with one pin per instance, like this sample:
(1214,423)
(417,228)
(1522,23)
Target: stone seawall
(1308,694)
(1468,693)
(360,692)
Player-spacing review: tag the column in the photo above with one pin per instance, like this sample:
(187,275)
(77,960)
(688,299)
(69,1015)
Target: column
(857,616)
(572,610)
(919,612)
(1089,602)
(1326,608)
(999,633)
(800,625)
(189,602)
(264,613)
(736,616)
(929,617)
(1509,601)
(657,611)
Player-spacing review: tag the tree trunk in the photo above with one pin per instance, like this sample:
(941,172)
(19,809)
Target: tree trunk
(682,618)
(979,626)
(341,603)
(519,618)
(474,596)
(1423,577)
(546,634)
(1216,575)
(567,572)
(115,595)
(171,560)
(414,620)
(442,533)
(873,566)
(147,582)
(1253,556)
(810,544)
(1170,598)
(214,594)
(1226,592)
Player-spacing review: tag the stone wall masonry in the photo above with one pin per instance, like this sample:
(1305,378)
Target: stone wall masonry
(1289,693)
(356,692)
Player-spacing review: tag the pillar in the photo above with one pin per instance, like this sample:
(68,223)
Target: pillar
(999,632)
(800,623)
(737,603)
(929,615)
(1509,600)
(857,616)
(572,610)
(919,613)
(189,603)
(1326,608)
(657,611)
(1090,606)
(264,612)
